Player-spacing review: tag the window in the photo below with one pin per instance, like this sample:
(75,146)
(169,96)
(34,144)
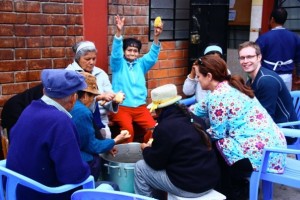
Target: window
(292,7)
(175,16)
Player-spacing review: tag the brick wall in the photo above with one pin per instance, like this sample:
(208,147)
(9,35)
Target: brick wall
(35,35)
(172,66)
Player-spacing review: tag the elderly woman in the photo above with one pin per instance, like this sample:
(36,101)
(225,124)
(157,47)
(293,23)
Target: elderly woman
(90,146)
(240,126)
(85,60)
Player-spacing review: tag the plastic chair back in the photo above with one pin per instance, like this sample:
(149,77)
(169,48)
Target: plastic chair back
(88,194)
(290,177)
(188,101)
(14,178)
(296,101)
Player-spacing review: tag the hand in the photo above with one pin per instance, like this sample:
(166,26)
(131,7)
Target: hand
(124,134)
(144,145)
(119,23)
(113,151)
(119,97)
(157,32)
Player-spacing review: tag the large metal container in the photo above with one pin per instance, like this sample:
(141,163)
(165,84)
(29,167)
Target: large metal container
(120,169)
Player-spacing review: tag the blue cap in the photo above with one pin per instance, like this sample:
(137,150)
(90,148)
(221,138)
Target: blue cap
(60,83)
(213,48)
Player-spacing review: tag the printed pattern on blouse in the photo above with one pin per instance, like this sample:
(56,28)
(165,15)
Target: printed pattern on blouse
(242,127)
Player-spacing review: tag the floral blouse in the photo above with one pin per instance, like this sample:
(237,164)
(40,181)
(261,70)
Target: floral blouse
(242,127)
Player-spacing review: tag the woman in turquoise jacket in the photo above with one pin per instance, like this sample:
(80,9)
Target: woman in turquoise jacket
(128,76)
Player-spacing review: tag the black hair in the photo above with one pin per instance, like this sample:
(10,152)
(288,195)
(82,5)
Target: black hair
(279,15)
(206,140)
(132,42)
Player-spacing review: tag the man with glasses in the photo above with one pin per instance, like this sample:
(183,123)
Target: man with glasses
(280,48)
(268,87)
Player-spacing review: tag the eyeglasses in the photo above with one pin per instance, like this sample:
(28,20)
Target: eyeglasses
(198,62)
(247,57)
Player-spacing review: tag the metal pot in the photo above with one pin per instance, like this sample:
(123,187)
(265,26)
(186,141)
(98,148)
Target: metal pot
(120,169)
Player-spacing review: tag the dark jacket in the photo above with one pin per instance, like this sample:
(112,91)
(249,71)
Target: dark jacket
(14,106)
(178,148)
(273,95)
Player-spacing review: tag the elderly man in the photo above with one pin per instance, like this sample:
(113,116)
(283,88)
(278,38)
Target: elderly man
(268,87)
(44,141)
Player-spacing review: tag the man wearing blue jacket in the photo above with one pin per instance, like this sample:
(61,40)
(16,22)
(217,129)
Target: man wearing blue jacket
(268,87)
(44,142)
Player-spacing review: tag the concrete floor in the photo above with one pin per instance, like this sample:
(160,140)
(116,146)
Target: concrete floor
(281,192)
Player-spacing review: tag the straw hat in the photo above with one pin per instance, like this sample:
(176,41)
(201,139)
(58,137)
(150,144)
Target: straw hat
(91,83)
(163,96)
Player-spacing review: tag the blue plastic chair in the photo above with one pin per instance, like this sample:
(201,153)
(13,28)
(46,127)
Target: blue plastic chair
(296,101)
(290,177)
(106,192)
(14,178)
(188,101)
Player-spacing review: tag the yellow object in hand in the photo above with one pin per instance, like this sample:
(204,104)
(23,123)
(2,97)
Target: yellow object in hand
(158,22)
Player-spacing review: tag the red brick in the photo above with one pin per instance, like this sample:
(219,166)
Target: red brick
(140,2)
(166,63)
(53,8)
(53,52)
(47,42)
(6,30)
(168,45)
(40,19)
(7,77)
(175,54)
(55,30)
(20,42)
(162,73)
(6,54)
(21,30)
(39,64)
(28,53)
(27,6)
(58,41)
(136,30)
(33,42)
(136,10)
(181,63)
(138,20)
(12,18)
(79,20)
(182,44)
(113,9)
(7,42)
(6,6)
(163,55)
(64,19)
(176,72)
(74,8)
(6,66)
(167,80)
(61,63)
(28,76)
(13,88)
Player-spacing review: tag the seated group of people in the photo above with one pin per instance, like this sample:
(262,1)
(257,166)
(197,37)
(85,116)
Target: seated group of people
(61,126)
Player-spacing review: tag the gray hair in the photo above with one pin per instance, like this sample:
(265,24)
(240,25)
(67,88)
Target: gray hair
(83,51)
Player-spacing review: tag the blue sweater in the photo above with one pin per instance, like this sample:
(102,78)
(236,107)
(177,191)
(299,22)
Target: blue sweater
(130,77)
(44,147)
(280,44)
(89,144)
(274,96)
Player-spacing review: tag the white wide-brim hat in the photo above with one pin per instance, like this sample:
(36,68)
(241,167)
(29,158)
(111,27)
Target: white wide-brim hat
(163,96)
